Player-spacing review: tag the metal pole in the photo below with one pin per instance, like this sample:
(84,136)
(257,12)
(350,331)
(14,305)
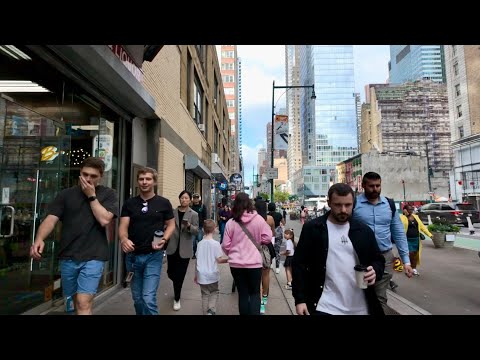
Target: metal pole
(404,196)
(272,137)
(428,170)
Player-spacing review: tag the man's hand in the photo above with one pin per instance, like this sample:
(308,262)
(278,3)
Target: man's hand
(370,276)
(37,249)
(302,309)
(88,189)
(127,246)
(408,270)
(159,245)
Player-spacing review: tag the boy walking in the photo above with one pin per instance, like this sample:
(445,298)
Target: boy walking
(209,254)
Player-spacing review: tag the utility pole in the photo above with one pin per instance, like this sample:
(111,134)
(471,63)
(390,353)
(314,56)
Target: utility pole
(404,196)
(428,169)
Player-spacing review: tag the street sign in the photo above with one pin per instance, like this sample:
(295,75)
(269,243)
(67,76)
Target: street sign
(271,173)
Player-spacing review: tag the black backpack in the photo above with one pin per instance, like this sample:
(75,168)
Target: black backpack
(394,209)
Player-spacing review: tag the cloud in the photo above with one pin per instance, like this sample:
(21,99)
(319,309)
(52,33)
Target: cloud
(371,65)
(261,65)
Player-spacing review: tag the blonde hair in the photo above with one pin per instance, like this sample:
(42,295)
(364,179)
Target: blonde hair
(209,226)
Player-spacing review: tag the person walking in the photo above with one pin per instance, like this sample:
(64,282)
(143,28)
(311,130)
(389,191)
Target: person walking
(141,217)
(377,212)
(244,258)
(209,255)
(201,210)
(84,210)
(329,248)
(180,248)
(278,233)
(414,228)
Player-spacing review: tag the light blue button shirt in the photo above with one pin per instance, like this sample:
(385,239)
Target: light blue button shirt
(379,217)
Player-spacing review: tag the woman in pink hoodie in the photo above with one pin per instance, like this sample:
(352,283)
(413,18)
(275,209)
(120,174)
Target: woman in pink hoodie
(243,256)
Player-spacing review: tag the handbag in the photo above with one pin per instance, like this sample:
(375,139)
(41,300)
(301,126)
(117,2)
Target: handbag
(422,237)
(264,250)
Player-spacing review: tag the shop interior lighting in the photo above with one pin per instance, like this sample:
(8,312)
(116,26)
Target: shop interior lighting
(20,86)
(14,52)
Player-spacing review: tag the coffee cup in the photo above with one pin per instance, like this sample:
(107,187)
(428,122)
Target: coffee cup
(360,271)
(158,236)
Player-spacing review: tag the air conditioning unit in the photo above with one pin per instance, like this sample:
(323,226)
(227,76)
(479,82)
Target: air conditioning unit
(215,158)
(201,127)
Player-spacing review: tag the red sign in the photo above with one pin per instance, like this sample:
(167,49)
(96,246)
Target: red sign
(120,52)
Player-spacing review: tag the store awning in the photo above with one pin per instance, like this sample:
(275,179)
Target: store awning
(194,164)
(218,173)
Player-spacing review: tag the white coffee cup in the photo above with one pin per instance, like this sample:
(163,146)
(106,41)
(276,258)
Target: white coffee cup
(360,271)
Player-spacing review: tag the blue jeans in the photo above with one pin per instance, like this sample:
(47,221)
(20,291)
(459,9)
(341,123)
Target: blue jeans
(196,239)
(222,230)
(146,278)
(80,276)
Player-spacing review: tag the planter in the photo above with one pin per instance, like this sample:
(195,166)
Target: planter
(439,239)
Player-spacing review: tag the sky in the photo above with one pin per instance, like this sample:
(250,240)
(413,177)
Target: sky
(262,64)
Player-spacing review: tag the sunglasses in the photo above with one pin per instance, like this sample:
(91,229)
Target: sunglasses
(145,207)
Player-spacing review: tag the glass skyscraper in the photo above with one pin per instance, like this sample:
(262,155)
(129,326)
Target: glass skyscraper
(329,123)
(416,62)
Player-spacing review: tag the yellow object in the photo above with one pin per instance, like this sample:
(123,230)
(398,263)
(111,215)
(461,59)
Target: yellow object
(397,265)
(421,228)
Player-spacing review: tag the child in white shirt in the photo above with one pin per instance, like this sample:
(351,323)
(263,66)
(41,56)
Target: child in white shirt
(289,251)
(209,253)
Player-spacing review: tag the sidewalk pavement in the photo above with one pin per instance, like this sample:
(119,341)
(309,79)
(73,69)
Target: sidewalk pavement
(118,301)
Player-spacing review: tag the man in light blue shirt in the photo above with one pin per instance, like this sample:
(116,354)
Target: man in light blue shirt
(374,211)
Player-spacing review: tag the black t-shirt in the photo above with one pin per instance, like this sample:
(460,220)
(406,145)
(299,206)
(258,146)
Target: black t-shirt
(412,230)
(143,225)
(277,217)
(83,238)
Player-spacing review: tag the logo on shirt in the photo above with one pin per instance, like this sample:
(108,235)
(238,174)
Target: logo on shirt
(344,239)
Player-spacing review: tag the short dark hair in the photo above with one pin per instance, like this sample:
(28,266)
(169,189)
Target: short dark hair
(261,207)
(95,163)
(370,176)
(185,192)
(271,206)
(340,189)
(149,170)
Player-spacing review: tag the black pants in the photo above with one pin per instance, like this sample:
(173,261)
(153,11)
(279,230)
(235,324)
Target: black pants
(247,282)
(177,268)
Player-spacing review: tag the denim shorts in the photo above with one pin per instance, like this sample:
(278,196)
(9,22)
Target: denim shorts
(81,276)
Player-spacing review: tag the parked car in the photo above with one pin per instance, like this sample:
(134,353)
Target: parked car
(452,213)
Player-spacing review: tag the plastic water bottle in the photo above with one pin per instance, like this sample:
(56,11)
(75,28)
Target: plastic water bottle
(69,305)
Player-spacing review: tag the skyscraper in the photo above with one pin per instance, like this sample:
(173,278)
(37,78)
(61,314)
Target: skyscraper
(416,62)
(328,123)
(229,67)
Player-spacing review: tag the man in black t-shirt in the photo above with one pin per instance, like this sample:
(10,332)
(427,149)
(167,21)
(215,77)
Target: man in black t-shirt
(84,210)
(200,209)
(142,216)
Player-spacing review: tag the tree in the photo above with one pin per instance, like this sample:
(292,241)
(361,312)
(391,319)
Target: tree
(265,196)
(281,196)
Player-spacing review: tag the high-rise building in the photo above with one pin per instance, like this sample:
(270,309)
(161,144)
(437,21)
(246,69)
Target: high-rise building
(411,118)
(358,108)
(416,62)
(329,123)
(292,74)
(463,87)
(229,65)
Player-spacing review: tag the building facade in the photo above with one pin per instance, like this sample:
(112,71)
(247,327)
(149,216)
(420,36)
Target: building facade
(294,151)
(416,62)
(411,118)
(329,125)
(463,87)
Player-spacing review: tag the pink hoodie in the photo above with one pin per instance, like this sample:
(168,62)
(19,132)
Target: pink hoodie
(239,248)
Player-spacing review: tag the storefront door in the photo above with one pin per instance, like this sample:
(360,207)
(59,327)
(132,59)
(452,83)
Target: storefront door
(34,166)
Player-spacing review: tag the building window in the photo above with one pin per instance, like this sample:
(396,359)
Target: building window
(460,132)
(228,54)
(455,69)
(230,103)
(215,140)
(229,91)
(457,90)
(454,50)
(228,66)
(197,101)
(459,111)
(215,92)
(228,78)
(231,115)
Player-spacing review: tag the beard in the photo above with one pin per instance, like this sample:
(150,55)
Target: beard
(341,217)
(372,195)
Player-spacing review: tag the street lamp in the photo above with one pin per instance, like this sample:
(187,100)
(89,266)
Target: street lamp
(313,97)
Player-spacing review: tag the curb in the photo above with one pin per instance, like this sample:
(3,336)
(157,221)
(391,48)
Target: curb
(404,307)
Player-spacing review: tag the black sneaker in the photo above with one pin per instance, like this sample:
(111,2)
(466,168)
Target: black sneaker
(194,257)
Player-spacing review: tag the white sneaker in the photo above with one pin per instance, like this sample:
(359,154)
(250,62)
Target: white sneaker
(415,272)
(176,305)
(277,271)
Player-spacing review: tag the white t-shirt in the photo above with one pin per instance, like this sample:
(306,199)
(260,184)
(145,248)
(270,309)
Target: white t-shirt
(341,295)
(289,247)
(208,250)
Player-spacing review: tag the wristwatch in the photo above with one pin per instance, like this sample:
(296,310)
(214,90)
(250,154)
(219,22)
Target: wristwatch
(92,198)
